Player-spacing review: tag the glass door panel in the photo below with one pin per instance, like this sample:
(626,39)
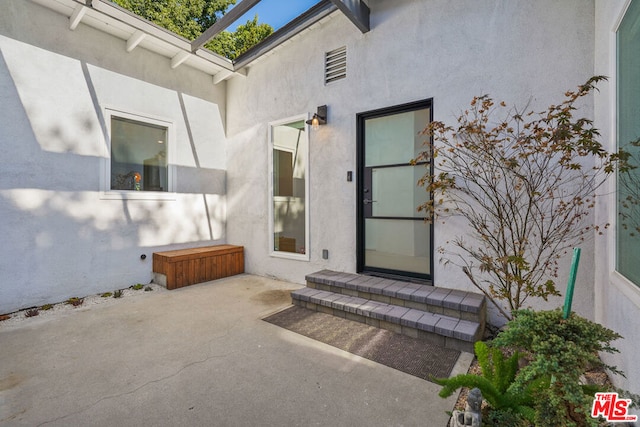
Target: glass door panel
(393,237)
(395,139)
(398,245)
(388,201)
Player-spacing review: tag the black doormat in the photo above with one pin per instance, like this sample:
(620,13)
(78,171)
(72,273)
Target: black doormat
(412,356)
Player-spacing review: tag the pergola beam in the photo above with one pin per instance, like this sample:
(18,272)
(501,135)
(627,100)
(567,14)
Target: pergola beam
(223,23)
(76,16)
(179,58)
(135,40)
(356,11)
(225,74)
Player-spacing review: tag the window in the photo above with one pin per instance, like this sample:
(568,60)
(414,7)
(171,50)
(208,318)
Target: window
(138,154)
(288,204)
(628,130)
(282,172)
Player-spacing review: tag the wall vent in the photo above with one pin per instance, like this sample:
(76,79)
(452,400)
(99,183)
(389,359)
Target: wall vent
(335,65)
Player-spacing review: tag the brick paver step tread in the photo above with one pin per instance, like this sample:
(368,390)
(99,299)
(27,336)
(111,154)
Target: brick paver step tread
(463,330)
(436,296)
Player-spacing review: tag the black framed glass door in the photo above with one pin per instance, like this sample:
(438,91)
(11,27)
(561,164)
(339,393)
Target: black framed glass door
(392,236)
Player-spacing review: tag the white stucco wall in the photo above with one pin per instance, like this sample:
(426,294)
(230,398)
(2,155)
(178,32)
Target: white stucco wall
(61,238)
(516,51)
(617,300)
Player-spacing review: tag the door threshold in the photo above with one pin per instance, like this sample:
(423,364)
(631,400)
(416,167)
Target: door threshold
(417,280)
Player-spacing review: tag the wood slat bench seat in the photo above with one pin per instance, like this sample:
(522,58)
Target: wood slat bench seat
(184,267)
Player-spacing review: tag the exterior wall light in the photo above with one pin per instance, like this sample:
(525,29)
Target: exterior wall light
(319,118)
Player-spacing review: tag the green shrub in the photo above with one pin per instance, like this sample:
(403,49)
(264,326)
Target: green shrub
(504,418)
(560,352)
(495,383)
(74,301)
(547,390)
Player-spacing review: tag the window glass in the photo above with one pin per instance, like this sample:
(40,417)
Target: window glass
(394,238)
(138,155)
(289,187)
(395,139)
(628,112)
(282,172)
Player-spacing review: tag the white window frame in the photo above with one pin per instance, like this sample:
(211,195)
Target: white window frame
(278,254)
(624,285)
(105,173)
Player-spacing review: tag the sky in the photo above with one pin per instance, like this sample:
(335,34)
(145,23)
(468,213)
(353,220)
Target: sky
(275,12)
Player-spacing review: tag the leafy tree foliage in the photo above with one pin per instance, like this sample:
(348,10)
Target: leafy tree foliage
(232,45)
(525,182)
(190,18)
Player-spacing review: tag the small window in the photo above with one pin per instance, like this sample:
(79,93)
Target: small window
(289,204)
(628,195)
(139,152)
(282,172)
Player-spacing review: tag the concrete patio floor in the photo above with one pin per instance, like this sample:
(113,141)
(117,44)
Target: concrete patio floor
(199,356)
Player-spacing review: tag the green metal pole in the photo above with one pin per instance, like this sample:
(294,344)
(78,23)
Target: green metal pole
(572,282)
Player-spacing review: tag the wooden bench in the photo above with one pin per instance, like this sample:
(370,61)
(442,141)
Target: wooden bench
(184,267)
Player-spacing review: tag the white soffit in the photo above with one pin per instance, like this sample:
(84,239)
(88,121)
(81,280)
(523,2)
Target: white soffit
(139,33)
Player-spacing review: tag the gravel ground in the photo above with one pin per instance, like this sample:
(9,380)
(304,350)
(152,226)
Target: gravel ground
(63,308)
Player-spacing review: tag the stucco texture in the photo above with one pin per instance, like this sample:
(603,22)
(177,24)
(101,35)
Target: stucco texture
(617,300)
(521,52)
(64,236)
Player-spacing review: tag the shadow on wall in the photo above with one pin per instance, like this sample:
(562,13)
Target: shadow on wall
(37,26)
(65,240)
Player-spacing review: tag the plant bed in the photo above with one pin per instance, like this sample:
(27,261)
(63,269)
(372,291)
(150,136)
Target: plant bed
(597,376)
(543,370)
(49,311)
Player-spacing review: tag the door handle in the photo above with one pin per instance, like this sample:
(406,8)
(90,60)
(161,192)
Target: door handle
(367,201)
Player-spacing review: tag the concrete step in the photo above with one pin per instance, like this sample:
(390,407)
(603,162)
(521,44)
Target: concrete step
(445,317)
(449,302)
